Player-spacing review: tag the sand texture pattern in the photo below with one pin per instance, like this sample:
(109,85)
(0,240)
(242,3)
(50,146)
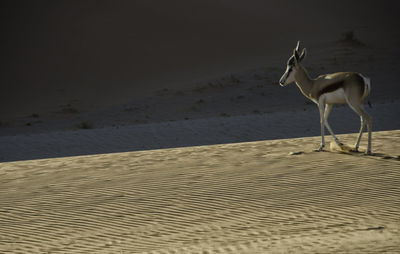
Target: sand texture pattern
(273,196)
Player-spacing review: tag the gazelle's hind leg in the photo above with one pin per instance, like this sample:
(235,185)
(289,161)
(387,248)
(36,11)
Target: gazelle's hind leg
(365,119)
(360,134)
(321,107)
(328,108)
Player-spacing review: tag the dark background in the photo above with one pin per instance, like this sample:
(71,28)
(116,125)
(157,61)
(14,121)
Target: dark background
(107,52)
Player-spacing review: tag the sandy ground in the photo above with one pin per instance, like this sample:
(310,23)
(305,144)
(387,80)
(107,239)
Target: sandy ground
(208,131)
(234,107)
(97,53)
(247,92)
(275,196)
(139,127)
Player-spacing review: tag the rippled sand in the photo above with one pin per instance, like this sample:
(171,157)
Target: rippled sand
(274,196)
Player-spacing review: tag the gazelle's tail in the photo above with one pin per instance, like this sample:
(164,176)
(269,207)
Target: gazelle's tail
(367,90)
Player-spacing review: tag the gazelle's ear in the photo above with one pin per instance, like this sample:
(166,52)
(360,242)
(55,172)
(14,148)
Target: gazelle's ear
(303,54)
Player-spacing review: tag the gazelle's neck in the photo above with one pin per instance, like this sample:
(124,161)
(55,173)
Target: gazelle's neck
(303,81)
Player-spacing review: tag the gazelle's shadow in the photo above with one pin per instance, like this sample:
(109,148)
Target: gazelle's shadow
(385,156)
(345,149)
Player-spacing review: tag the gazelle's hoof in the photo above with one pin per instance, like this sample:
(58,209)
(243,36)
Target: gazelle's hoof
(368,153)
(355,150)
(320,149)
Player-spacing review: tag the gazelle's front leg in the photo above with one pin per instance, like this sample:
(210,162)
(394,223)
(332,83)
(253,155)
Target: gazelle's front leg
(321,108)
(328,108)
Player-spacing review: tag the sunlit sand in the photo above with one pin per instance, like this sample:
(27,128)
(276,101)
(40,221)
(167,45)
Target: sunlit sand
(258,197)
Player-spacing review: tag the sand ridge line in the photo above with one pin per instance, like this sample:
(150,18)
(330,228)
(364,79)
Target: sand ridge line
(242,128)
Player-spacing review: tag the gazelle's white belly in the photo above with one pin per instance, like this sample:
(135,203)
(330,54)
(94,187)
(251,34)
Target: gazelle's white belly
(335,97)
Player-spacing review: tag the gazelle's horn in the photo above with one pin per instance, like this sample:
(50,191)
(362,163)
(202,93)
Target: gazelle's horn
(297,46)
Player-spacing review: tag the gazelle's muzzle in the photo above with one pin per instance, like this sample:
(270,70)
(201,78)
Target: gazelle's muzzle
(288,76)
(282,81)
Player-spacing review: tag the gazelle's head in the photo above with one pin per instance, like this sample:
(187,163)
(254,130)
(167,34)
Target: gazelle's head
(292,66)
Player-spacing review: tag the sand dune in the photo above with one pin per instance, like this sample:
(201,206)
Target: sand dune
(56,52)
(145,75)
(237,107)
(208,131)
(235,198)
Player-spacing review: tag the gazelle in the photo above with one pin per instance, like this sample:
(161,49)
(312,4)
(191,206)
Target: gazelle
(328,89)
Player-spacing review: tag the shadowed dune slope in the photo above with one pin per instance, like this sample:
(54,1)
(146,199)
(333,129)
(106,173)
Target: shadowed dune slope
(255,197)
(102,53)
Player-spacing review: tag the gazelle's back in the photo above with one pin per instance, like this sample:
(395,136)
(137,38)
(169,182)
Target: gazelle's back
(350,82)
